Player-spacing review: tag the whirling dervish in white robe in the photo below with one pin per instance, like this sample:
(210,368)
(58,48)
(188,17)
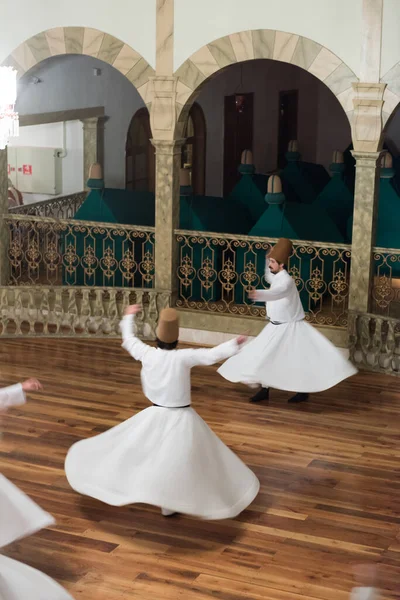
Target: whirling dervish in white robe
(165,455)
(289,354)
(21,517)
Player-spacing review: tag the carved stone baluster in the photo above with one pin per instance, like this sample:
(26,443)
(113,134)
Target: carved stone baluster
(55,317)
(84,310)
(390,344)
(152,315)
(96,310)
(141,317)
(396,349)
(363,337)
(124,302)
(44,310)
(374,342)
(111,323)
(7,307)
(18,311)
(33,312)
(71,316)
(384,354)
(24,306)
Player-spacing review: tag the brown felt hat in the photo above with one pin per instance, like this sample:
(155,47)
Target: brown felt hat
(281,251)
(168,326)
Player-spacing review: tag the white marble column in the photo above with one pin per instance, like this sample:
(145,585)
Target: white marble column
(364,229)
(168,162)
(367,136)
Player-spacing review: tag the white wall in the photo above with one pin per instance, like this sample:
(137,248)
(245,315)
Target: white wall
(322,125)
(390,35)
(335,24)
(131,21)
(51,136)
(67,83)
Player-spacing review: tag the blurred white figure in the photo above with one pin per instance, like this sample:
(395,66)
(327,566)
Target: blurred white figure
(366,579)
(20,517)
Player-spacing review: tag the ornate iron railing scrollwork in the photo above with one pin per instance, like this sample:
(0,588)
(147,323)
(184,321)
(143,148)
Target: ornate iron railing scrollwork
(217,271)
(85,253)
(62,207)
(386,282)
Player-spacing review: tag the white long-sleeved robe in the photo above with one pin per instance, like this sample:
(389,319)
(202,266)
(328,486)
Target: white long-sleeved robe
(21,517)
(165,455)
(12,395)
(291,354)
(364,593)
(165,374)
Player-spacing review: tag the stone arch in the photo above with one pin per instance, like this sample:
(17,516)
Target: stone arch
(391,96)
(263,43)
(85,41)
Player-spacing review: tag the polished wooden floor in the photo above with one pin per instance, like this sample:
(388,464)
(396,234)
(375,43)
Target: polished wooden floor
(329,473)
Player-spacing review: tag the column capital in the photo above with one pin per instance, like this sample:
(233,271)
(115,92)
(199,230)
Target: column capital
(367,123)
(91,122)
(162,93)
(170,147)
(367,159)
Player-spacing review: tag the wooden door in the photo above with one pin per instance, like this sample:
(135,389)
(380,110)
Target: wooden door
(287,128)
(238,136)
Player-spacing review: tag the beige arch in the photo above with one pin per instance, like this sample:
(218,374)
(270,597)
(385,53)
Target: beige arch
(264,43)
(85,41)
(391,95)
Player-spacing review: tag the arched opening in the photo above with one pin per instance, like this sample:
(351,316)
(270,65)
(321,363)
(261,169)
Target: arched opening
(386,257)
(79,107)
(261,105)
(139,154)
(194,150)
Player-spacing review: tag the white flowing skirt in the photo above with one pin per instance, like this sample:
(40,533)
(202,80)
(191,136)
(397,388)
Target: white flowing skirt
(20,582)
(294,357)
(165,457)
(19,515)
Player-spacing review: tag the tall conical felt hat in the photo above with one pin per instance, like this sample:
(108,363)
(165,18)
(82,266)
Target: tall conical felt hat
(168,326)
(281,251)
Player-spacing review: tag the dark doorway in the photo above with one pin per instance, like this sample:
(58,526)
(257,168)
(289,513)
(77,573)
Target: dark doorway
(139,154)
(194,150)
(238,135)
(287,130)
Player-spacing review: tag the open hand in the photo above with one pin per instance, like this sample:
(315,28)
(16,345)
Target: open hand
(32,385)
(133,309)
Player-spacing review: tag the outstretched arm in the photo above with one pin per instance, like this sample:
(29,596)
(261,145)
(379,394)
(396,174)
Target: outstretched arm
(14,395)
(277,292)
(136,348)
(210,356)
